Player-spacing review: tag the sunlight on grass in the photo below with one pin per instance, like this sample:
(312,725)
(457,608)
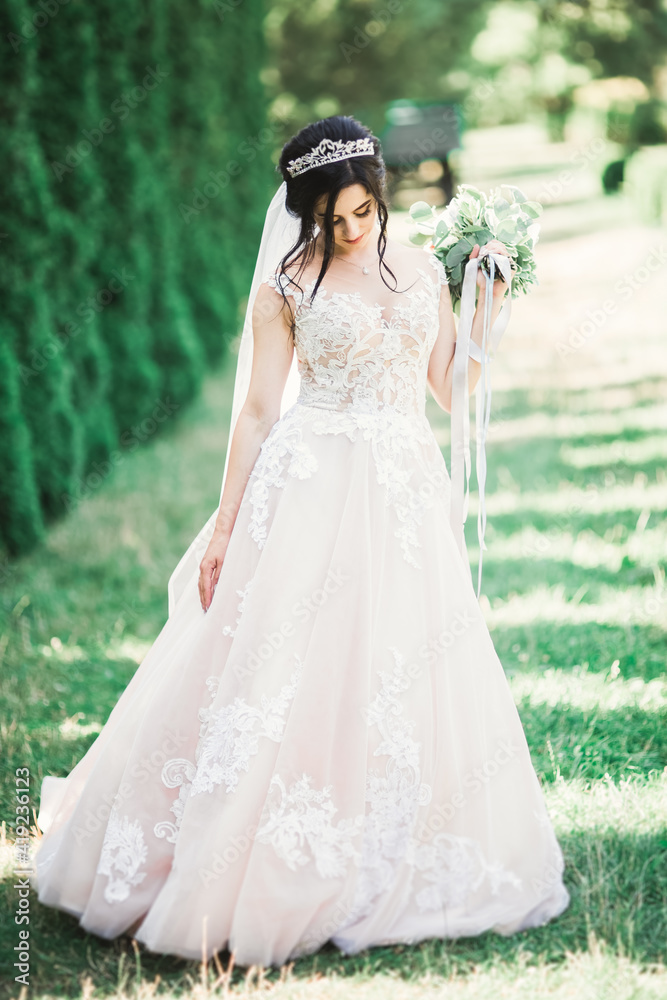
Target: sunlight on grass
(631,452)
(568,425)
(73,728)
(580,688)
(587,549)
(128,648)
(629,806)
(549,604)
(566,499)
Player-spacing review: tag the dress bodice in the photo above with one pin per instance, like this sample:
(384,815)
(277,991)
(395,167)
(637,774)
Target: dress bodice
(354,353)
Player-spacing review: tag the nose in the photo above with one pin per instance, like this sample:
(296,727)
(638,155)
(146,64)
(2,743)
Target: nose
(352,230)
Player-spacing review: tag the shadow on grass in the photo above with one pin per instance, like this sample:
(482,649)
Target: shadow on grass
(639,649)
(618,888)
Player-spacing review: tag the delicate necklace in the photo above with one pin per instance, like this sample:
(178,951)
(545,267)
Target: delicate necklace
(364,269)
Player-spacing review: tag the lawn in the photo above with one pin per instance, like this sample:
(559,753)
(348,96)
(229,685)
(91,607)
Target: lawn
(573,591)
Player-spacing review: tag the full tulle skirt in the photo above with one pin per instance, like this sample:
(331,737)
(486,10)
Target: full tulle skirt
(331,751)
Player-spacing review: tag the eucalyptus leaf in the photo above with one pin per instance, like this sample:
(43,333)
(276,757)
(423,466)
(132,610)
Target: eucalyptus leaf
(517,193)
(507,230)
(469,189)
(457,254)
(419,239)
(420,211)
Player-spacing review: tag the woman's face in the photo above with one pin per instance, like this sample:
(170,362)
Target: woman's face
(354,218)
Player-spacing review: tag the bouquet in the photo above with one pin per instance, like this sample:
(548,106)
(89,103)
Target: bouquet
(473,217)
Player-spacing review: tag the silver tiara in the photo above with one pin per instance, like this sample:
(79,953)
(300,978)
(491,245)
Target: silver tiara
(330,151)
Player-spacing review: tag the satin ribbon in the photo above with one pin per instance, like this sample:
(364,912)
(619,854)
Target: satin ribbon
(460,417)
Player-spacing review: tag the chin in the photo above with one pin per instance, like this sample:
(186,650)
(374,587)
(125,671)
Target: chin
(351,246)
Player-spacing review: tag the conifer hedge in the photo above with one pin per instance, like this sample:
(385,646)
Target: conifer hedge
(136,177)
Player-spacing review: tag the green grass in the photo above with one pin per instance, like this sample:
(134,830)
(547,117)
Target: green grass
(574,593)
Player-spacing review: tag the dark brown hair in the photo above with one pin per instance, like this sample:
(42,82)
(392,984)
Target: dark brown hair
(304,190)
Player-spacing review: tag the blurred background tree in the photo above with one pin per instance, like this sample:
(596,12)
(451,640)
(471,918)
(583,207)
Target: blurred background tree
(130,212)
(354,56)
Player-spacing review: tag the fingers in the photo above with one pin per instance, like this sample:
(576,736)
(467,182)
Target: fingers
(495,246)
(205,580)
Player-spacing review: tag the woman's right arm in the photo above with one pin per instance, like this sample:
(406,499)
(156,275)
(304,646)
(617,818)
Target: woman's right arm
(273,349)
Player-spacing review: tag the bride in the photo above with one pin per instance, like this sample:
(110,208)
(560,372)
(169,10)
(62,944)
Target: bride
(321,745)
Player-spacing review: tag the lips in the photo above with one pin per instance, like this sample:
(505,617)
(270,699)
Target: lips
(352,242)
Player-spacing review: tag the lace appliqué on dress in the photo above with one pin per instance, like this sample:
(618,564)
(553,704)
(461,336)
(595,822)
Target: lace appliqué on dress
(374,389)
(455,867)
(124,851)
(341,360)
(232,737)
(300,827)
(243,594)
(399,446)
(394,797)
(228,738)
(438,266)
(282,453)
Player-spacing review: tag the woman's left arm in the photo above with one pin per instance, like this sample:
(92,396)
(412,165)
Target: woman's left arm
(441,362)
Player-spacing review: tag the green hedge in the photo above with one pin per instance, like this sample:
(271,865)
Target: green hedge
(126,238)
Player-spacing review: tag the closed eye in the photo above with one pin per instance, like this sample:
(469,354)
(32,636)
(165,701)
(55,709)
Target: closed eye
(359,215)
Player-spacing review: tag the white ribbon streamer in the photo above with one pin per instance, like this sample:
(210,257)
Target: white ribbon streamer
(460,417)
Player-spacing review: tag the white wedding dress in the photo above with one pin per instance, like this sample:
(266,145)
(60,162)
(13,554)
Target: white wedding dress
(332,751)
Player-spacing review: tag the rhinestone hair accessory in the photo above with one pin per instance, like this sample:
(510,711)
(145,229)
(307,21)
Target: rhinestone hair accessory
(330,151)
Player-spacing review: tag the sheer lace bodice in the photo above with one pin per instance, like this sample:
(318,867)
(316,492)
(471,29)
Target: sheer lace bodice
(355,352)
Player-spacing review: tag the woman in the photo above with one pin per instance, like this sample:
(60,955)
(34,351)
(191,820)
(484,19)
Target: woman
(321,744)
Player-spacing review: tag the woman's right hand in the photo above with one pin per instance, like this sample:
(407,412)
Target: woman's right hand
(210,566)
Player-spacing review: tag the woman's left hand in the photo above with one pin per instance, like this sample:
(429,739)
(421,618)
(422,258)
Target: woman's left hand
(494,246)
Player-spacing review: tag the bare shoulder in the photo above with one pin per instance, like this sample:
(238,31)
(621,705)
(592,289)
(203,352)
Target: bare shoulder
(411,260)
(269,303)
(405,254)
(404,249)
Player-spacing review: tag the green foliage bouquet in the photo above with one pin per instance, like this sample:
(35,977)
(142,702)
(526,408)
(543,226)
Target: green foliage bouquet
(474,217)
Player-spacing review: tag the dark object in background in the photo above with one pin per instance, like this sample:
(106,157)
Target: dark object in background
(612,176)
(416,132)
